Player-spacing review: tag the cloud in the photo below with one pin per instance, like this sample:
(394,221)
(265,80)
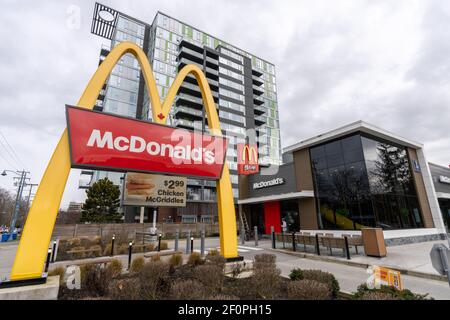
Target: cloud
(385,62)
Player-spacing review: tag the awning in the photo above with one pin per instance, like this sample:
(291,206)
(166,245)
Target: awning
(282,196)
(442,195)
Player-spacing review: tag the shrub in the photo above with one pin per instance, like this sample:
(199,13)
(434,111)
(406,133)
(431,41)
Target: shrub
(213,252)
(74,242)
(107,250)
(79,253)
(124,289)
(154,278)
(216,260)
(223,297)
(58,271)
(296,274)
(123,249)
(188,290)
(149,247)
(308,290)
(263,261)
(195,259)
(323,277)
(164,245)
(176,260)
(137,264)
(211,276)
(114,268)
(95,250)
(404,294)
(95,279)
(377,295)
(156,257)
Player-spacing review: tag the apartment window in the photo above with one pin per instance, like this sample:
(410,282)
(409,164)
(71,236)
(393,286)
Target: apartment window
(231,94)
(230,73)
(231,116)
(231,64)
(232,55)
(231,84)
(231,105)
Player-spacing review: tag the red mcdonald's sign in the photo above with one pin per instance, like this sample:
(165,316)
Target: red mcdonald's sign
(248,162)
(115,143)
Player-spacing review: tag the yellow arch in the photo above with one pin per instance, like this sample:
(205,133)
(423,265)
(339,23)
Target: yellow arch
(32,250)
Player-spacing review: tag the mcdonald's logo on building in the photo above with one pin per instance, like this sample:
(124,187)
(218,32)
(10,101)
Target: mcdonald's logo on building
(248,162)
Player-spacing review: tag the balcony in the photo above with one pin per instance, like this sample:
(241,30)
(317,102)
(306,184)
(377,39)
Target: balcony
(212,63)
(214,74)
(257,81)
(259,110)
(189,54)
(260,120)
(183,62)
(194,90)
(186,112)
(258,100)
(214,85)
(185,99)
(256,73)
(188,124)
(257,90)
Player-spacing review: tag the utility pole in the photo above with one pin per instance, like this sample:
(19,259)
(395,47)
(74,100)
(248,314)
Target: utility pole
(22,182)
(31,185)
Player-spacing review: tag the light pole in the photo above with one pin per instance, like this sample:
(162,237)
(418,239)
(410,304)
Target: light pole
(23,177)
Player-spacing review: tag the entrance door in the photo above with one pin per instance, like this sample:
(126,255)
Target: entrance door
(289,213)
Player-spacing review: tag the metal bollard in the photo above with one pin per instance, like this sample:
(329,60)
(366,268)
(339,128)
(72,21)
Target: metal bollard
(256,236)
(294,245)
(202,243)
(177,236)
(130,251)
(188,236)
(54,251)
(317,245)
(347,250)
(272,232)
(192,244)
(47,262)
(112,244)
(159,242)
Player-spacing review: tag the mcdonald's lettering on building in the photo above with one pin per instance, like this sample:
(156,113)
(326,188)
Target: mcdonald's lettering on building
(247,159)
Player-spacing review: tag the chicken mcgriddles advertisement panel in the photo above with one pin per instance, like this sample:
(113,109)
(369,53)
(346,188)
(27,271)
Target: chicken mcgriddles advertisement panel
(152,190)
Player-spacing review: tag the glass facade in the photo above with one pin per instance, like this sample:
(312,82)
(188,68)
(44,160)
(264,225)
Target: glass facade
(364,182)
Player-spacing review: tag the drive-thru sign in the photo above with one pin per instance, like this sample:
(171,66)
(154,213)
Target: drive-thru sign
(32,250)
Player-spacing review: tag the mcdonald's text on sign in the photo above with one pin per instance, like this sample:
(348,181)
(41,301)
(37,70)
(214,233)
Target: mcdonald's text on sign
(248,162)
(110,142)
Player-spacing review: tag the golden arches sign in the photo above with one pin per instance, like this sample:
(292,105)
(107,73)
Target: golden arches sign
(32,250)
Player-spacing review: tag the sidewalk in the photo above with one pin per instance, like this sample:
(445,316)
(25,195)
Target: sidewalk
(413,259)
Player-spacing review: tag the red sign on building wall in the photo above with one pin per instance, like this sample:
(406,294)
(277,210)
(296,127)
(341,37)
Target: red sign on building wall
(248,162)
(115,143)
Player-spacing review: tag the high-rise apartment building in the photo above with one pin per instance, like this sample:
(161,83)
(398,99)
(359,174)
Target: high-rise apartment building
(243,87)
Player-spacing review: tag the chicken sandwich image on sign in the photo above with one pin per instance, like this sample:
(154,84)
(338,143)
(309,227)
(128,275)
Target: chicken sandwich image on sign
(103,141)
(152,190)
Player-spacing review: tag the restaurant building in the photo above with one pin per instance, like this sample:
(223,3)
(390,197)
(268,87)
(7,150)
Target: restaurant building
(441,181)
(353,177)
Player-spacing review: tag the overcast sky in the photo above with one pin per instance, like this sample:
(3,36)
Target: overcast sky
(384,62)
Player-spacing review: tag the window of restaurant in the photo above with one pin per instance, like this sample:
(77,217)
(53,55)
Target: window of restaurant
(363,182)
